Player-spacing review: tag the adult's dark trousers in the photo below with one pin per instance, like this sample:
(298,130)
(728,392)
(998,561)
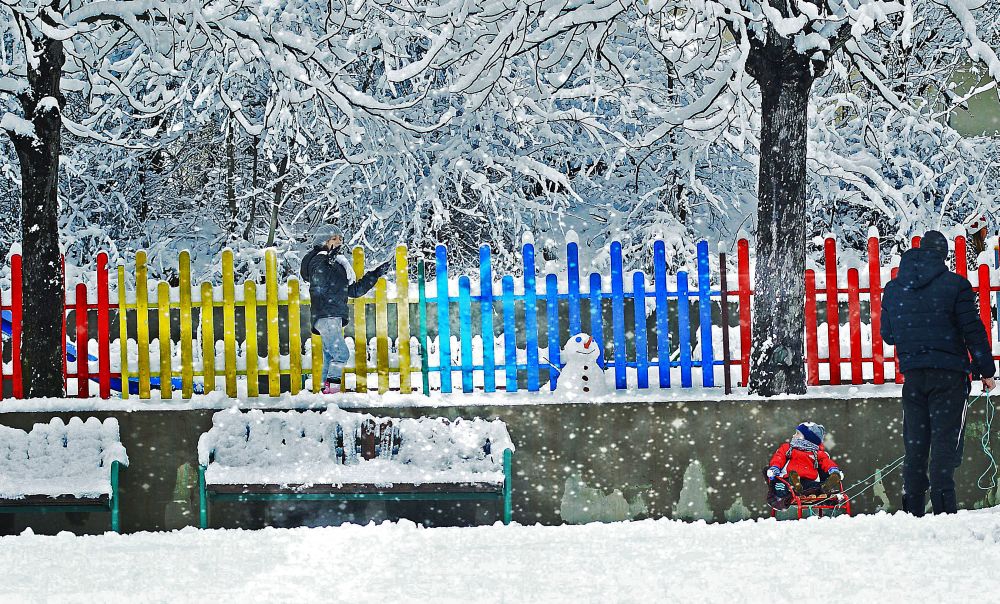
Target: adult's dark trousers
(934,404)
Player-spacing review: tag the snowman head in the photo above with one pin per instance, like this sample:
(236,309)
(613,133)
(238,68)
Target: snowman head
(581,347)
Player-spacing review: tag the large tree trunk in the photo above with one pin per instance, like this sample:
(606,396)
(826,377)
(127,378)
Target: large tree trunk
(43,281)
(777,364)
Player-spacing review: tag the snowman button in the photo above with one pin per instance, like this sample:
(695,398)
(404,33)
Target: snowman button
(586,389)
(586,367)
(585,378)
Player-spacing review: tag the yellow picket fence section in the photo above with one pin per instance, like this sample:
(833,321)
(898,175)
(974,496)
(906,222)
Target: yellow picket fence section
(198,360)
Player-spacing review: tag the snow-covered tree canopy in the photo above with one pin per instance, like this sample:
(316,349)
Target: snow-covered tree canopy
(411,122)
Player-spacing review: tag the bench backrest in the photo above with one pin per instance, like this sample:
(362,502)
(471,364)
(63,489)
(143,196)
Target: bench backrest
(58,449)
(268,438)
(258,438)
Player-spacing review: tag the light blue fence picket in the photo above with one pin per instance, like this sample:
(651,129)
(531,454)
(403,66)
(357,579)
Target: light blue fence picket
(509,334)
(465,331)
(444,317)
(552,323)
(486,318)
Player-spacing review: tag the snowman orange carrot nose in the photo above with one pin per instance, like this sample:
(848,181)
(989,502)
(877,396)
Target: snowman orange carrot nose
(590,340)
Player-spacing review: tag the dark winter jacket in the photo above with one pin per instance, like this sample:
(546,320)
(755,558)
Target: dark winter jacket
(329,287)
(930,315)
(806,463)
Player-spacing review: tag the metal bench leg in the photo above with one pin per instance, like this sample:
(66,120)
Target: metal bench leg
(202,499)
(115,518)
(507,505)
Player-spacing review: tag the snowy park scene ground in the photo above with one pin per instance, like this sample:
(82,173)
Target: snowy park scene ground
(878,558)
(499,301)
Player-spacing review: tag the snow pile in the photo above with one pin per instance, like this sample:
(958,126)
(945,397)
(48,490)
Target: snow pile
(290,447)
(879,558)
(60,459)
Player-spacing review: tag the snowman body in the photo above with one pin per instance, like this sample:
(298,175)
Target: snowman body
(582,375)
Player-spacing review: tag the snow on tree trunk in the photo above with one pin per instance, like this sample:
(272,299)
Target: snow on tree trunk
(777,361)
(43,280)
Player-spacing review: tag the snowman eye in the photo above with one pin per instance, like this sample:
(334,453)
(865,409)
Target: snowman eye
(579,339)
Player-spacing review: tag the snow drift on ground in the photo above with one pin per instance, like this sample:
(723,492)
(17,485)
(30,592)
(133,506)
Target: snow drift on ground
(878,558)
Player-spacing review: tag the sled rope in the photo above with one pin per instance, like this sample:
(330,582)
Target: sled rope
(991,470)
(990,473)
(885,471)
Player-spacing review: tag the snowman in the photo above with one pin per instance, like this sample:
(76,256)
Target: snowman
(582,375)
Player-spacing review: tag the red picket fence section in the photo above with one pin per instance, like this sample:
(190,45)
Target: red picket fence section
(838,300)
(848,291)
(82,307)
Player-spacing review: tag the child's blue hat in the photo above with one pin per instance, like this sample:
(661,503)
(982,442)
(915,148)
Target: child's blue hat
(812,432)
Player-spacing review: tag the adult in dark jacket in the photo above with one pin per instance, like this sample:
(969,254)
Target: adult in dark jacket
(930,315)
(332,281)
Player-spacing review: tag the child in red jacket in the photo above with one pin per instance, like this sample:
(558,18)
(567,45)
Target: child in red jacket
(804,464)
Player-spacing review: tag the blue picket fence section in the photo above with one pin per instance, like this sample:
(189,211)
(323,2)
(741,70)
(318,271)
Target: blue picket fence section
(640,327)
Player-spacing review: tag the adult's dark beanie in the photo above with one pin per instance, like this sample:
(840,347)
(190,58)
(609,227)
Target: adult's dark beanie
(935,241)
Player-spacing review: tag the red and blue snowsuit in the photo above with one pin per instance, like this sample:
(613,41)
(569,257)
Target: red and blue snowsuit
(808,464)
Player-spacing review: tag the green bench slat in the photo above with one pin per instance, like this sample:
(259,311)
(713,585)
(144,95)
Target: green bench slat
(358,491)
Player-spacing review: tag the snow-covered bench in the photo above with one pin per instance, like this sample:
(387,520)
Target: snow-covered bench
(337,455)
(59,467)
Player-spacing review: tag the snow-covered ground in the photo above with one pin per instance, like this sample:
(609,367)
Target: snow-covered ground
(877,558)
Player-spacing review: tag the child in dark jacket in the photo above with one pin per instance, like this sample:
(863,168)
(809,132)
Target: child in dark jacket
(803,464)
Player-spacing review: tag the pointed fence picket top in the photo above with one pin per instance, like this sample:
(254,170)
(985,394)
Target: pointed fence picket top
(176,341)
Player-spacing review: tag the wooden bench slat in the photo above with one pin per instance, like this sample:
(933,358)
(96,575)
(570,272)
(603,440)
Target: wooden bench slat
(468,487)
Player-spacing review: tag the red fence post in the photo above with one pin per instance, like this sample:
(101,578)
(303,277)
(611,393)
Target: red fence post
(875,307)
(915,242)
(16,310)
(812,348)
(854,314)
(103,330)
(832,310)
(961,261)
(985,312)
(82,338)
(743,267)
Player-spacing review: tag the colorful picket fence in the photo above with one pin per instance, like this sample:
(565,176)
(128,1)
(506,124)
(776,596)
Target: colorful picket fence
(499,365)
(477,332)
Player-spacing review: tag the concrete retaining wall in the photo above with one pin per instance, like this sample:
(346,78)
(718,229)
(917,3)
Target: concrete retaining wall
(574,462)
